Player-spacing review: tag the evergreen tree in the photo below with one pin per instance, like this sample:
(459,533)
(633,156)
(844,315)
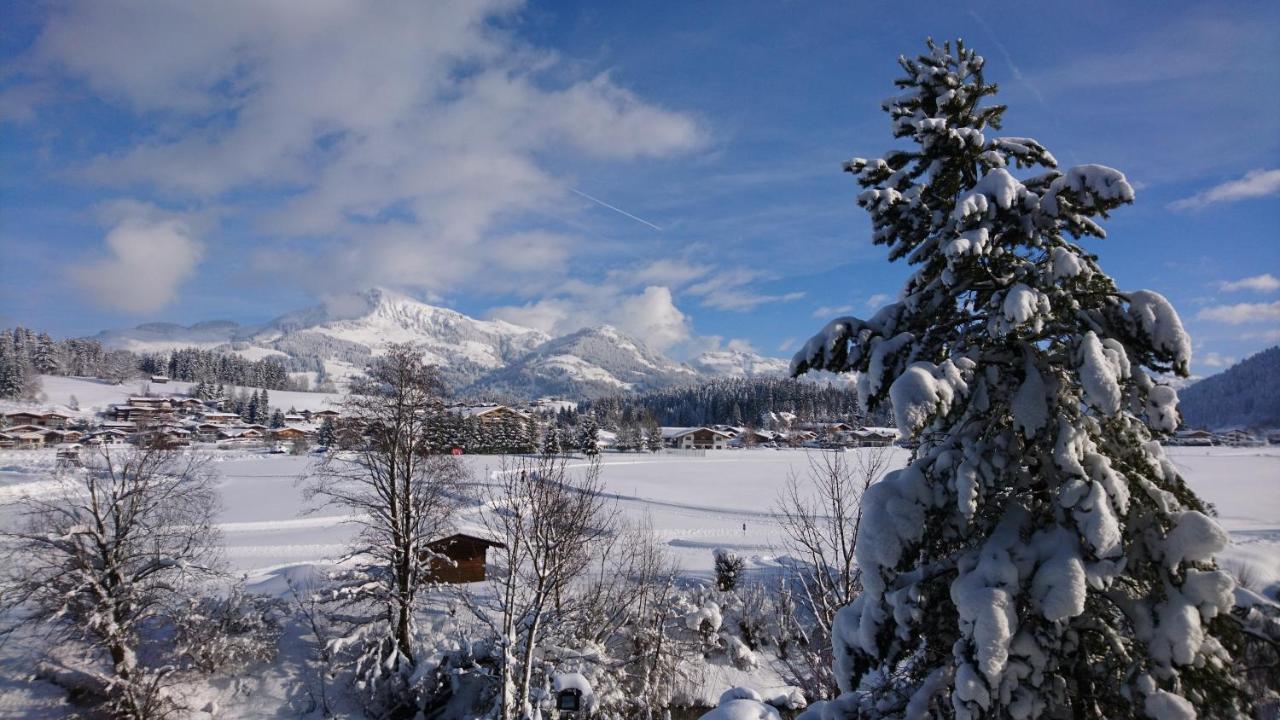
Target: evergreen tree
(551,444)
(629,437)
(328,432)
(264,406)
(652,435)
(1038,557)
(11,379)
(44,355)
(588,436)
(277,418)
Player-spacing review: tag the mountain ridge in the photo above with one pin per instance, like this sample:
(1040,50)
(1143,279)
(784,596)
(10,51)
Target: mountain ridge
(475,356)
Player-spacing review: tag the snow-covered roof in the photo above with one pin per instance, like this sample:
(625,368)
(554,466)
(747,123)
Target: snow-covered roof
(675,432)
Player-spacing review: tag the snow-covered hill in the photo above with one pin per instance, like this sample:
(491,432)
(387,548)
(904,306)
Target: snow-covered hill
(1246,394)
(475,355)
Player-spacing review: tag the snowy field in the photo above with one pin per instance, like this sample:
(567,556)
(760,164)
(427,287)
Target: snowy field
(695,504)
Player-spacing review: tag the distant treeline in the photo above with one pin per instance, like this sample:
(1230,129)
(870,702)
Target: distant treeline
(212,366)
(733,401)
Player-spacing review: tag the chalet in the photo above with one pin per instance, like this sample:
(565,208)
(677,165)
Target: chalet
(1191,437)
(160,379)
(320,415)
(219,418)
(746,437)
(695,438)
(290,433)
(239,434)
(135,413)
(26,439)
(106,437)
(191,406)
(1241,438)
(37,418)
(874,436)
(166,435)
(207,432)
(295,418)
(54,435)
(157,403)
(459,558)
(7,441)
(491,414)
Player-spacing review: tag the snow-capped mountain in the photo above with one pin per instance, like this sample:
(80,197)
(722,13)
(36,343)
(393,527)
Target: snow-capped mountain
(466,348)
(739,363)
(589,363)
(474,355)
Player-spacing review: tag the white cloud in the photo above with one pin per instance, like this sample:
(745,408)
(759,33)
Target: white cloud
(148,256)
(1264,335)
(1215,360)
(827,312)
(650,314)
(1242,313)
(1254,184)
(394,147)
(1258,283)
(879,300)
(788,345)
(728,291)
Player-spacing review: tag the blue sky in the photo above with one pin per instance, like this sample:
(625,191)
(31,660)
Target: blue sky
(673,169)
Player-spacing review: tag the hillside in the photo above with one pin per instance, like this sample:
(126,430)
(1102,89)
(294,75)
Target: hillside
(1245,395)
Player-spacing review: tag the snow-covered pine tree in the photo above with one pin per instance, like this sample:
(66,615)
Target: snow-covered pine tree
(652,435)
(44,355)
(551,444)
(589,436)
(1039,556)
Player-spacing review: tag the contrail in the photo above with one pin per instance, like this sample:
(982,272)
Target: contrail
(1017,73)
(619,210)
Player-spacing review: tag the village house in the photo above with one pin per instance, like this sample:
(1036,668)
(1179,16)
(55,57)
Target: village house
(463,561)
(110,436)
(54,436)
(190,406)
(219,418)
(240,434)
(491,414)
(1191,437)
(695,438)
(290,433)
(37,418)
(873,437)
(160,379)
(25,437)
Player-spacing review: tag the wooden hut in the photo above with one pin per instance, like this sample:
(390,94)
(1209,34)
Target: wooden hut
(463,561)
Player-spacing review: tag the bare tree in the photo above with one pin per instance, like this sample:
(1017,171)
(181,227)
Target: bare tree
(401,493)
(549,519)
(821,516)
(117,548)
